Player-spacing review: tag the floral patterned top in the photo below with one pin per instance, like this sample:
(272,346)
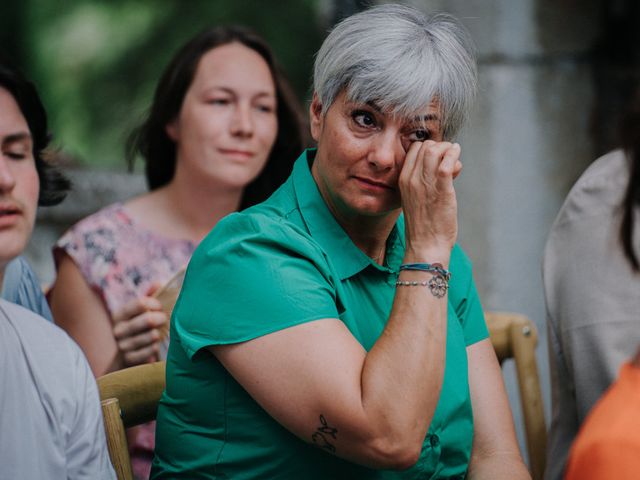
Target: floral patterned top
(121,260)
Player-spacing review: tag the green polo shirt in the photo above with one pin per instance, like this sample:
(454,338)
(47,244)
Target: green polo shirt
(279,264)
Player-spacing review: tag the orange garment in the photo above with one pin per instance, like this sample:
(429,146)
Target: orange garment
(608,444)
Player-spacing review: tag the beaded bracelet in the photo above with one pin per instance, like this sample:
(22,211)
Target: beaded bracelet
(438,284)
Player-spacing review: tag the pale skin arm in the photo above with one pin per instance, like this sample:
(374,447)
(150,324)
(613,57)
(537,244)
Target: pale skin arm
(130,339)
(495,454)
(376,407)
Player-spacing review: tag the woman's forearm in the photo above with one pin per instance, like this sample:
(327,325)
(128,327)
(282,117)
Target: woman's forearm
(402,374)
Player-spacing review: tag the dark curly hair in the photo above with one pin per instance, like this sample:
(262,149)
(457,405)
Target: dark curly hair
(630,136)
(151,141)
(53,184)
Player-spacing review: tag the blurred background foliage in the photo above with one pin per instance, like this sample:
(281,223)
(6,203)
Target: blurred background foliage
(96,62)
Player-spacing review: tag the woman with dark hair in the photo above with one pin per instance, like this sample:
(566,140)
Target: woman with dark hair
(592,288)
(20,284)
(222,134)
(158,147)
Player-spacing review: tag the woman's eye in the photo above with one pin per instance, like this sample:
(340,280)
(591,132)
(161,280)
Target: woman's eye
(419,136)
(364,119)
(16,155)
(218,101)
(266,108)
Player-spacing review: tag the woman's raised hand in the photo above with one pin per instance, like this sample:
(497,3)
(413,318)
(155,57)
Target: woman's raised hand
(429,199)
(136,330)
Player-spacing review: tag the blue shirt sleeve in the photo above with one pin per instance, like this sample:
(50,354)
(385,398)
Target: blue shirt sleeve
(21,286)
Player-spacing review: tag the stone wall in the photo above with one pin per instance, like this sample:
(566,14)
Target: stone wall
(526,144)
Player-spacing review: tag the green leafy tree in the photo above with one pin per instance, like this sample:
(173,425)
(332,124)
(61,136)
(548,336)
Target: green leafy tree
(97,62)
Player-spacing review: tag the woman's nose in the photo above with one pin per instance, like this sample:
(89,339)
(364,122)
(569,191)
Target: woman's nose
(387,151)
(7,179)
(242,121)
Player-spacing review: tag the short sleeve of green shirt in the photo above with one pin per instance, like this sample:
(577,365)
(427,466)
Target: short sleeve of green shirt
(463,297)
(253,275)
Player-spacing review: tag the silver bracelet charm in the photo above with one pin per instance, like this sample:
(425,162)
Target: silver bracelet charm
(438,285)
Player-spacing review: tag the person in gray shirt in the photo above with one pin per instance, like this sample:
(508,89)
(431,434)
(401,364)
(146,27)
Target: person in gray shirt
(50,419)
(591,274)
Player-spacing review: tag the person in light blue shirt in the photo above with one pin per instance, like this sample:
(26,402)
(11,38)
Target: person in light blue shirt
(49,403)
(20,286)
(19,283)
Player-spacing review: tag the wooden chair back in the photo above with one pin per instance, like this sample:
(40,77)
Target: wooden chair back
(515,336)
(129,397)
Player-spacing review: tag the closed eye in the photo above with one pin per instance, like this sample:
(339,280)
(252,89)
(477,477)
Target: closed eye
(16,146)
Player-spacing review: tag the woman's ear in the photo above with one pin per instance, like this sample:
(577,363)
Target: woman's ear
(172,130)
(316,117)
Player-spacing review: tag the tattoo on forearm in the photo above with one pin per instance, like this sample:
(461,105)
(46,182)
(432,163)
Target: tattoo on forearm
(323,436)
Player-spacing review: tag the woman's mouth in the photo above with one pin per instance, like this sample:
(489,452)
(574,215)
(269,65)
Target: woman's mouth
(374,185)
(236,153)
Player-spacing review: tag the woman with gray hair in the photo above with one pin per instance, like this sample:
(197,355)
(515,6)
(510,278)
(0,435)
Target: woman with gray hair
(334,331)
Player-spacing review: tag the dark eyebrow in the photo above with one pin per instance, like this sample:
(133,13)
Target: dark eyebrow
(419,118)
(230,91)
(427,118)
(374,105)
(16,137)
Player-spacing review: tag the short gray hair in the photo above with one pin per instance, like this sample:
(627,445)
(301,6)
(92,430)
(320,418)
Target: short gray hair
(402,60)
